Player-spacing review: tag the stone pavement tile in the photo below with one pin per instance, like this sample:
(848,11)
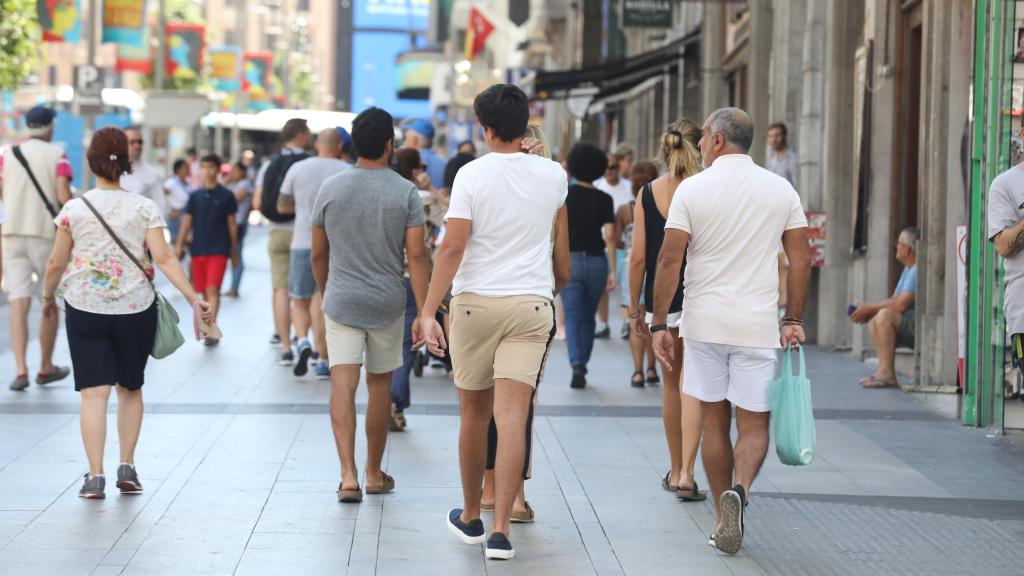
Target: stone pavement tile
(52,562)
(12,522)
(38,477)
(296,554)
(306,513)
(107,571)
(22,433)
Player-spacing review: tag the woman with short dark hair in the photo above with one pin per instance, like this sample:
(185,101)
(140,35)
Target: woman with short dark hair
(110,305)
(592,248)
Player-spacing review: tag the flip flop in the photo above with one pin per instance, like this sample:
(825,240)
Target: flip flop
(666,485)
(387,486)
(877,383)
(864,381)
(637,380)
(691,494)
(350,496)
(486,507)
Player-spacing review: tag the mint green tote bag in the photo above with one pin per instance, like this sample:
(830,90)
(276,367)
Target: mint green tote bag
(792,413)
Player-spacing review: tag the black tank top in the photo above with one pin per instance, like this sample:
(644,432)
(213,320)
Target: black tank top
(654,228)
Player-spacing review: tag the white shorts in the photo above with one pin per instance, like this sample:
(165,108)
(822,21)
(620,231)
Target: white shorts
(739,374)
(379,350)
(24,259)
(672,321)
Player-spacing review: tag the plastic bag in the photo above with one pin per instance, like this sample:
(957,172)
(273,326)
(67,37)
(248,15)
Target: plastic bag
(792,414)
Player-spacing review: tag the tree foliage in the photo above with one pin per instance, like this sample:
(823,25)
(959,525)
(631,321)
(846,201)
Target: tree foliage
(19,41)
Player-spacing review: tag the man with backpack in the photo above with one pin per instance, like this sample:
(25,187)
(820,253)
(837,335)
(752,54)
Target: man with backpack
(35,181)
(297,137)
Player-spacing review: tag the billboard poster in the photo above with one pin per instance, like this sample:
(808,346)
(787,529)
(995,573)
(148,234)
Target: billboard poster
(136,58)
(256,78)
(124,21)
(184,50)
(406,15)
(59,20)
(376,72)
(226,68)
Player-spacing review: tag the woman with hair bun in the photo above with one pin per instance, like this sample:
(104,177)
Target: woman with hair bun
(680,413)
(110,306)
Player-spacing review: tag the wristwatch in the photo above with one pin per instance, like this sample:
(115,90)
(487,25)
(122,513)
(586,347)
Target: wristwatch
(658,327)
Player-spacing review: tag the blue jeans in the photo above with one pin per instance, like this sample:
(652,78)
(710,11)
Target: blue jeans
(400,395)
(236,273)
(580,298)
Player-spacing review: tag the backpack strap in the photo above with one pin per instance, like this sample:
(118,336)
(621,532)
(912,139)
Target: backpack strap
(42,195)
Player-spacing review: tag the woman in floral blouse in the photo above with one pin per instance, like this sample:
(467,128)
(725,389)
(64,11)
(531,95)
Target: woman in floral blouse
(110,305)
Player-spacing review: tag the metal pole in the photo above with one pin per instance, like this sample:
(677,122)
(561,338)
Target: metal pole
(94,21)
(242,25)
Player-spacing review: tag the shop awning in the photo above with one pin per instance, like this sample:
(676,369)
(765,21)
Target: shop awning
(612,77)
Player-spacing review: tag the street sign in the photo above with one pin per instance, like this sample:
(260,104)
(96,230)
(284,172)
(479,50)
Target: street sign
(88,90)
(647,14)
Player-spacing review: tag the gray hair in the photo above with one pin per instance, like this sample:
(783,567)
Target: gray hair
(39,131)
(733,124)
(914,234)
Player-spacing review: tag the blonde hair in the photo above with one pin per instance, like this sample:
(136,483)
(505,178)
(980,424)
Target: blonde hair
(679,148)
(534,131)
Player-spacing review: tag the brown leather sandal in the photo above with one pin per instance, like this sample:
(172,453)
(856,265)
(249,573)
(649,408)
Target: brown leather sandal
(523,517)
(350,496)
(387,486)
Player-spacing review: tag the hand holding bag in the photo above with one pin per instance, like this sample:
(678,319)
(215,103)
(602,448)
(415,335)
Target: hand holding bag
(168,336)
(792,414)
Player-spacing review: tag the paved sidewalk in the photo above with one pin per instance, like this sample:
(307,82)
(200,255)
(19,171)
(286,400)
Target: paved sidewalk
(238,462)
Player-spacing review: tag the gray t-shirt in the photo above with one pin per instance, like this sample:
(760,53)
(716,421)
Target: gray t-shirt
(302,182)
(365,213)
(1006,208)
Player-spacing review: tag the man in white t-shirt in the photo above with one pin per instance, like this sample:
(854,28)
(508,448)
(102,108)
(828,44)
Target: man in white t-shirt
(728,221)
(614,184)
(176,193)
(497,249)
(145,180)
(298,192)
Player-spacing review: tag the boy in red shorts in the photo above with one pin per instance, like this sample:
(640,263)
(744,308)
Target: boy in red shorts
(210,215)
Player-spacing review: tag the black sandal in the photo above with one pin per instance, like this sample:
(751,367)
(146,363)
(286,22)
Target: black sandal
(652,379)
(635,382)
(691,494)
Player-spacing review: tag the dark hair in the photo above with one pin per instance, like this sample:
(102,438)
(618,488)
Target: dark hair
(372,129)
(504,109)
(780,126)
(293,129)
(211,159)
(453,166)
(179,164)
(191,150)
(349,150)
(241,166)
(405,161)
(469,143)
(108,154)
(587,162)
(641,174)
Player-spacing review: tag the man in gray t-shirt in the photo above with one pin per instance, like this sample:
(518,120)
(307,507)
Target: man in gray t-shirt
(367,221)
(1006,230)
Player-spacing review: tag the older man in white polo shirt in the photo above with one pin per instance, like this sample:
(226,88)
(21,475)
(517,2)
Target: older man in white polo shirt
(728,220)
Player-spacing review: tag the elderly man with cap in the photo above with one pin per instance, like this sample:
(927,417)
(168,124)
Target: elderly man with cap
(419,134)
(145,179)
(35,181)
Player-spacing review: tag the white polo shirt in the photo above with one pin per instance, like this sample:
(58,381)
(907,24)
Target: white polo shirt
(621,193)
(735,213)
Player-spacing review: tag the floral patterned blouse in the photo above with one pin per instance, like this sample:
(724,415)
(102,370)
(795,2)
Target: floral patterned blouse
(100,278)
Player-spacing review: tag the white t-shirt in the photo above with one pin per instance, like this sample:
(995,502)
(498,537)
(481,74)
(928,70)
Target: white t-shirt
(177,194)
(302,182)
(512,200)
(100,278)
(1,212)
(146,180)
(735,212)
(621,193)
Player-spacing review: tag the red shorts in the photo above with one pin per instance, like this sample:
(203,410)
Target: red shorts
(208,272)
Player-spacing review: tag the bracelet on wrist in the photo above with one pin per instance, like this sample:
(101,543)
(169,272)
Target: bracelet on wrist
(634,315)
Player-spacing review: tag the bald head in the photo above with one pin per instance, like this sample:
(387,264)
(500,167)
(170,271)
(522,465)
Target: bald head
(726,131)
(328,143)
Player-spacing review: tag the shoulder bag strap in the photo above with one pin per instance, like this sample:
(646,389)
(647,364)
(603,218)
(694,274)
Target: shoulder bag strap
(42,195)
(118,241)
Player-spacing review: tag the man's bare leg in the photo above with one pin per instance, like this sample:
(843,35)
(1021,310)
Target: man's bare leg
(751,445)
(476,408)
(300,317)
(19,333)
(378,414)
(282,320)
(344,381)
(511,409)
(883,335)
(717,453)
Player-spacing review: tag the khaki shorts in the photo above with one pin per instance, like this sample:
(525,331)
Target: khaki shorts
(25,256)
(494,338)
(279,247)
(379,350)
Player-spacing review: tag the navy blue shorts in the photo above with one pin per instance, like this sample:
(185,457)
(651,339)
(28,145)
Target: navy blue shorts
(108,349)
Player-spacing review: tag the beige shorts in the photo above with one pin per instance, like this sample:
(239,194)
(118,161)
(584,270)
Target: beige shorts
(279,247)
(379,350)
(24,265)
(494,338)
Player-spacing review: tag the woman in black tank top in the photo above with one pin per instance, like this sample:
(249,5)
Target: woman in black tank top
(680,412)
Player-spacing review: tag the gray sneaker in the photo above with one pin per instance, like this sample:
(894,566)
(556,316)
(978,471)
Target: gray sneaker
(58,373)
(92,488)
(128,479)
(19,383)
